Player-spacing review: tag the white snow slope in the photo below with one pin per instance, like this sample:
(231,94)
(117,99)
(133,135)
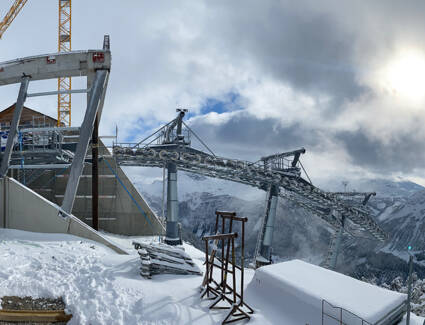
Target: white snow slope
(102,287)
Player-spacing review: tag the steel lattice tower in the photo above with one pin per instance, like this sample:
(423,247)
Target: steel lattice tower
(64,45)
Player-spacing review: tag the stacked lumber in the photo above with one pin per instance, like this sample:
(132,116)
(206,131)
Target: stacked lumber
(29,310)
(159,258)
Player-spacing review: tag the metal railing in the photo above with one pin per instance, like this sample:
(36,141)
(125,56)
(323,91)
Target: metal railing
(41,145)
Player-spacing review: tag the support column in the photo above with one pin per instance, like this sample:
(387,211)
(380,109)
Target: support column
(269,228)
(5,198)
(96,94)
(172,232)
(337,248)
(265,246)
(95,174)
(11,139)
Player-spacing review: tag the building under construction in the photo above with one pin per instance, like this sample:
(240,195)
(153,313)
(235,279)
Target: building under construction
(67,179)
(122,209)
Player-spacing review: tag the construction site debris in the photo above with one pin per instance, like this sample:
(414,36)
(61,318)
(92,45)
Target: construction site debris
(29,303)
(38,310)
(159,258)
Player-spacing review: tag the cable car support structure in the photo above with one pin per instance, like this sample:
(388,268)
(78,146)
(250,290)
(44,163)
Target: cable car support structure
(279,175)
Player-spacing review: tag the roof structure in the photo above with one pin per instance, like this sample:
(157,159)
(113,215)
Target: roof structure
(29,117)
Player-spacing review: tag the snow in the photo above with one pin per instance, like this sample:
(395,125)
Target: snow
(99,286)
(414,320)
(293,279)
(389,210)
(384,187)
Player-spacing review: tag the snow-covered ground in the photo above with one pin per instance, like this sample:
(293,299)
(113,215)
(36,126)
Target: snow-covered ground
(102,287)
(98,285)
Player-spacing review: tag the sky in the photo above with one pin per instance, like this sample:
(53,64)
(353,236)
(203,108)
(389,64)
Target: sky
(344,79)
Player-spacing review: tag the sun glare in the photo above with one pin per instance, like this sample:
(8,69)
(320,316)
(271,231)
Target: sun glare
(405,76)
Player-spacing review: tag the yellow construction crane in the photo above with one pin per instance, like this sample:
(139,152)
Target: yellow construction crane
(10,16)
(64,45)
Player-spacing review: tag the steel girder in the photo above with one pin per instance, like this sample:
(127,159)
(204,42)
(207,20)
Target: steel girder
(14,126)
(93,106)
(293,187)
(52,66)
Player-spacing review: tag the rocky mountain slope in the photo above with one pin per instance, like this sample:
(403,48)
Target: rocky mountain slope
(399,207)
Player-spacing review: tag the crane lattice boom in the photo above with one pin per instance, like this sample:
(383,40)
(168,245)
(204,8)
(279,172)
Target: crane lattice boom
(64,45)
(11,15)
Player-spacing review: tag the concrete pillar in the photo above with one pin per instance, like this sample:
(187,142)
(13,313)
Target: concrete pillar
(266,246)
(172,232)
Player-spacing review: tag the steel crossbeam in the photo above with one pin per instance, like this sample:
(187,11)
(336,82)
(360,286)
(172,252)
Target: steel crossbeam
(50,66)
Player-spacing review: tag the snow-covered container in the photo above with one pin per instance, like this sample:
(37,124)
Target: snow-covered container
(296,292)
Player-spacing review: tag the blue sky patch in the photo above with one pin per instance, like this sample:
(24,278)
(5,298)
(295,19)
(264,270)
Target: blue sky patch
(229,102)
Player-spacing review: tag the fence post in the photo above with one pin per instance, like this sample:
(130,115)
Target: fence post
(409,289)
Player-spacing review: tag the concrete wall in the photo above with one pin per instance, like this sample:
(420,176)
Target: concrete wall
(118,211)
(24,209)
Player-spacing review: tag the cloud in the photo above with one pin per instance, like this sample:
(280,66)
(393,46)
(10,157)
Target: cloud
(330,153)
(312,51)
(285,74)
(401,155)
(241,134)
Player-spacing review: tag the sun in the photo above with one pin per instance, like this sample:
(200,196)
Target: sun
(405,76)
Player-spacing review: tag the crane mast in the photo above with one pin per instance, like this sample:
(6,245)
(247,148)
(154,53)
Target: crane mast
(11,15)
(64,45)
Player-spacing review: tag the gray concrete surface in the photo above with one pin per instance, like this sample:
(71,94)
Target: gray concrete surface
(24,209)
(119,212)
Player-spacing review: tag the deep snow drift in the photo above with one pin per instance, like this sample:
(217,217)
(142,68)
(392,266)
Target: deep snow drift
(102,287)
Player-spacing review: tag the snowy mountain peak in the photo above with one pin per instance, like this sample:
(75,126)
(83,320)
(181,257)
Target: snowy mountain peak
(383,187)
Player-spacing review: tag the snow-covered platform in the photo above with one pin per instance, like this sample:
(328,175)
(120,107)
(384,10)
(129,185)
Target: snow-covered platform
(297,292)
(100,286)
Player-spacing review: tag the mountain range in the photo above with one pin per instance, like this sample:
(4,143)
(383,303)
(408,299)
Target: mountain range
(399,208)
